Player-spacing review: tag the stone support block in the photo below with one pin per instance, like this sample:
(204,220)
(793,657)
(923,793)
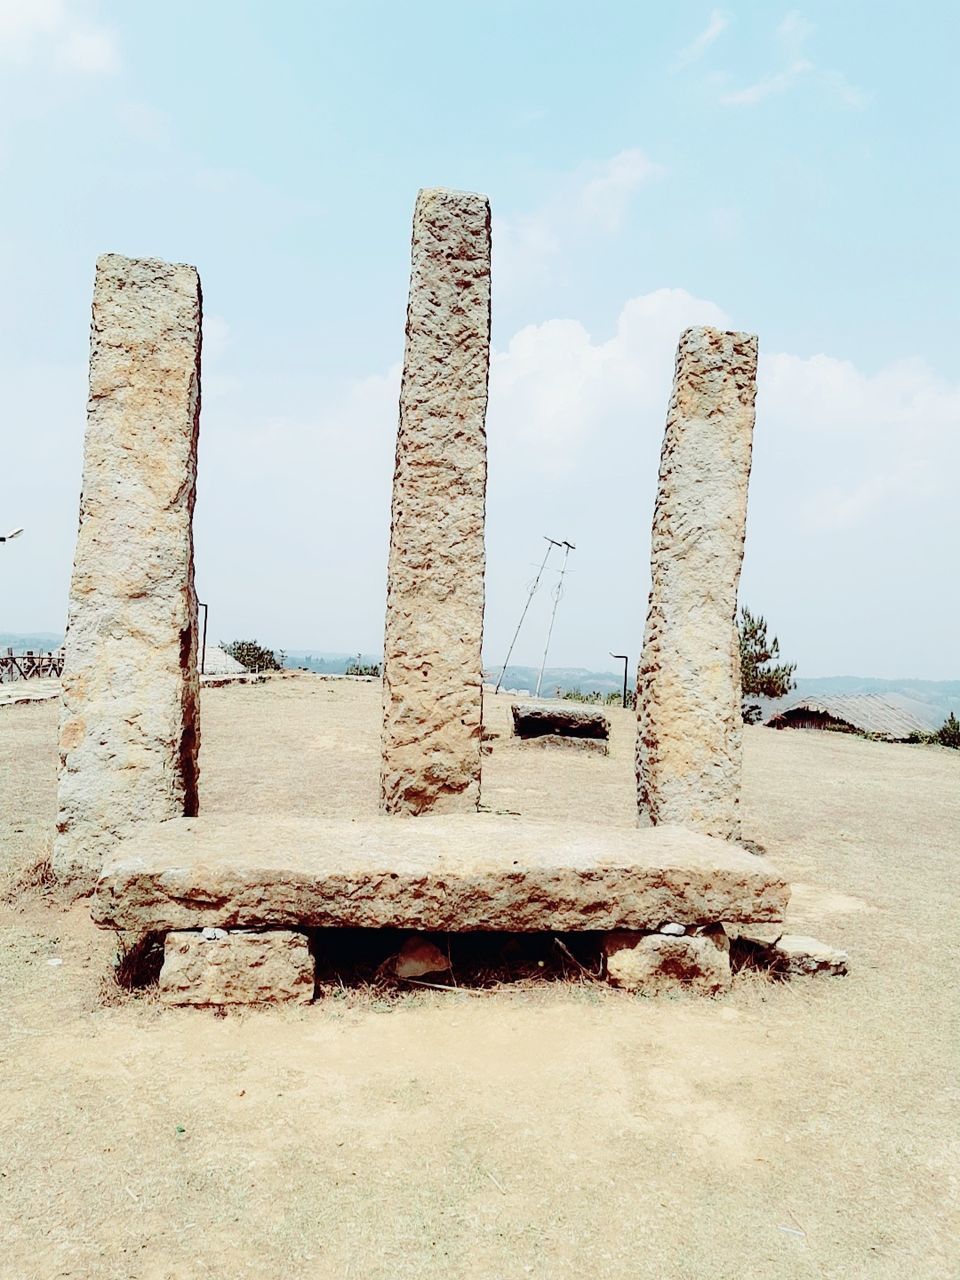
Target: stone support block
(653,962)
(217,967)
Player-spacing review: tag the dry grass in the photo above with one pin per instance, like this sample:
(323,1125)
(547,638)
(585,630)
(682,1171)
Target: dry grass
(551,1129)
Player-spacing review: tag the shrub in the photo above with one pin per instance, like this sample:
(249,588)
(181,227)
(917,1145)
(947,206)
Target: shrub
(360,668)
(602,699)
(252,655)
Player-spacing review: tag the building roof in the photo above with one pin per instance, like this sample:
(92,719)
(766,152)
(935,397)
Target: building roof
(218,663)
(889,715)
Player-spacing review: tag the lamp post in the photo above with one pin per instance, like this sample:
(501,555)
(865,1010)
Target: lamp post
(9,537)
(203,641)
(622,657)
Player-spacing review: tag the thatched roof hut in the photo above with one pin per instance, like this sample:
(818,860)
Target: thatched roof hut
(890,716)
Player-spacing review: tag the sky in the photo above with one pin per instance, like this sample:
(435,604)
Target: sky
(791,172)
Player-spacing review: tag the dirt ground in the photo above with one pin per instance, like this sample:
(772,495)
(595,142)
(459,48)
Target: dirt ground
(792,1130)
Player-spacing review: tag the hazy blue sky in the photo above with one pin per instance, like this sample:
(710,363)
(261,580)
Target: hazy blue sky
(790,172)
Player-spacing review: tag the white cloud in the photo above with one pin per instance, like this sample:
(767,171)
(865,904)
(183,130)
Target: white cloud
(869,442)
(794,31)
(557,397)
(55,33)
(793,34)
(22,24)
(555,394)
(604,199)
(777,82)
(594,198)
(93,52)
(848,93)
(716,25)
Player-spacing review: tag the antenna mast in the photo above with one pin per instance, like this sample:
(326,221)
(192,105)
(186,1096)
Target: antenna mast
(531,592)
(557,593)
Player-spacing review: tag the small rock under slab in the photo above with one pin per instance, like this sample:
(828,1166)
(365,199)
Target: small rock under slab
(418,957)
(797,954)
(766,946)
(236,967)
(654,962)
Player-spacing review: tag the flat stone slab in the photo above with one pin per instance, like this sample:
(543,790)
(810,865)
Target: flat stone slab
(438,872)
(533,719)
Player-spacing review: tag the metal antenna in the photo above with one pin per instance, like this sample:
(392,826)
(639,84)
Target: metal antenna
(557,593)
(531,592)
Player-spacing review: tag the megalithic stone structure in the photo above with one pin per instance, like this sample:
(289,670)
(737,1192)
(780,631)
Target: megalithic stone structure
(432,677)
(689,727)
(129,728)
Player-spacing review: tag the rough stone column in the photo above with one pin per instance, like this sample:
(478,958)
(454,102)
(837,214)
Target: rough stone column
(688,686)
(432,677)
(129,728)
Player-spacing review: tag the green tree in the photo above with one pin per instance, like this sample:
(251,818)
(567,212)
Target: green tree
(760,675)
(948,735)
(252,655)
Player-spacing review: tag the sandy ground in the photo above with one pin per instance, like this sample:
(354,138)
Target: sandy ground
(801,1130)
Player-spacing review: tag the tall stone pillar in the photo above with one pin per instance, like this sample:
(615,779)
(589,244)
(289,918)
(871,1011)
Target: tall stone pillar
(129,728)
(432,678)
(688,687)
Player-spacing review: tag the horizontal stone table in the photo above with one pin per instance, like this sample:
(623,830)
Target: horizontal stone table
(443,872)
(535,720)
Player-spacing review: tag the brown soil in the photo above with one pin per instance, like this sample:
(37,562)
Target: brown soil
(556,1130)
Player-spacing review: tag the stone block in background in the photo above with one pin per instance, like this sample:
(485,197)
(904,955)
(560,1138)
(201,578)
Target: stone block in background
(533,720)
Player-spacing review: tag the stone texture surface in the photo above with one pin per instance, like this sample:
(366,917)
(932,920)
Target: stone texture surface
(129,730)
(531,720)
(656,962)
(439,873)
(797,954)
(236,968)
(432,678)
(561,742)
(688,687)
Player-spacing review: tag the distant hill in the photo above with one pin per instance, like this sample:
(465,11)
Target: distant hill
(42,640)
(331,664)
(563,678)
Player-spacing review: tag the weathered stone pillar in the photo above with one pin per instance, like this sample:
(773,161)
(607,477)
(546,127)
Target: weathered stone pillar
(432,678)
(129,729)
(688,686)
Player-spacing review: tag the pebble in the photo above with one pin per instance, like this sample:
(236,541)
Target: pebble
(673,930)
